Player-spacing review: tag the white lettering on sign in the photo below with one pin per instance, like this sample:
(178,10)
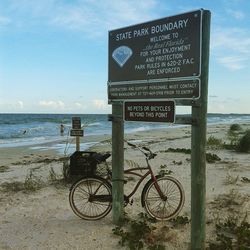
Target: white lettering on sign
(141,32)
(160,38)
(136,114)
(161,115)
(181,24)
(123,36)
(160,108)
(150,111)
(181,89)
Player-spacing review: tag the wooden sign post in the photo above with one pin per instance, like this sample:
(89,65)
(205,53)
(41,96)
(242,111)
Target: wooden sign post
(76,131)
(117,162)
(198,147)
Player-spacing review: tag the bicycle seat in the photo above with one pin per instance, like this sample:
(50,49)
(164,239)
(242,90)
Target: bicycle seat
(101,157)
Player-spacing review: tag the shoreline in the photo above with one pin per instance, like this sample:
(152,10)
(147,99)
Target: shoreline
(58,140)
(90,142)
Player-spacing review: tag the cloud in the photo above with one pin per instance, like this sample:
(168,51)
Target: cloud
(52,104)
(233,62)
(239,15)
(100,104)
(79,106)
(20,104)
(221,105)
(235,39)
(231,47)
(32,8)
(91,17)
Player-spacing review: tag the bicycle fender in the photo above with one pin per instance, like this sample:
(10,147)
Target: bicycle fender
(144,191)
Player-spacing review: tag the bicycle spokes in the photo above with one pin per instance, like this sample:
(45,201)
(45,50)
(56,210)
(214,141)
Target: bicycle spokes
(90,198)
(168,204)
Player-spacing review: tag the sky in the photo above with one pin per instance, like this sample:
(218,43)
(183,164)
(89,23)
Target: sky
(54,53)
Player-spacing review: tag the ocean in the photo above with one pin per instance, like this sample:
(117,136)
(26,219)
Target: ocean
(37,129)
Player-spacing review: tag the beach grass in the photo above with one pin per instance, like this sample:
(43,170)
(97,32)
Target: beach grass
(230,179)
(214,143)
(32,183)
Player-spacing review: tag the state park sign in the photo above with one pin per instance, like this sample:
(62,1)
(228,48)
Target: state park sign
(156,52)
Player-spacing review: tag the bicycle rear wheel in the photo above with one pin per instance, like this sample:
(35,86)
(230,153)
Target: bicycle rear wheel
(167,207)
(82,202)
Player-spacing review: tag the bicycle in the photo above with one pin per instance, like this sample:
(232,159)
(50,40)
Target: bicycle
(162,196)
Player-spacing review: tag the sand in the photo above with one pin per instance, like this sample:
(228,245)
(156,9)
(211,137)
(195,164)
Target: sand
(43,219)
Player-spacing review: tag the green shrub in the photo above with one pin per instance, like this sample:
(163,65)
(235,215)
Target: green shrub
(177,150)
(141,234)
(235,127)
(164,172)
(233,137)
(244,142)
(180,220)
(212,158)
(245,179)
(3,169)
(232,235)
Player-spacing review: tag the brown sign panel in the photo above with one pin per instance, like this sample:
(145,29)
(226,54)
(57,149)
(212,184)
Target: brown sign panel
(150,111)
(182,89)
(165,48)
(76,122)
(76,132)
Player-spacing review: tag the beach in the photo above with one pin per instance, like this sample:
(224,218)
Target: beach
(43,219)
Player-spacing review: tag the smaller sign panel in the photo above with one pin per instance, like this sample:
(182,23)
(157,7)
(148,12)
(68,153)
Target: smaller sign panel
(150,111)
(76,132)
(76,122)
(182,89)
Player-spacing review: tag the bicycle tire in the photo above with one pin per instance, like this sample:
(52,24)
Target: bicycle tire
(158,208)
(79,198)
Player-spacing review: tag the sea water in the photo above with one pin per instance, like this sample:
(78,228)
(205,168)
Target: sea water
(37,129)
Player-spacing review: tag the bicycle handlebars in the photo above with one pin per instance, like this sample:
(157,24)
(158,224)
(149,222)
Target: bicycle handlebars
(149,154)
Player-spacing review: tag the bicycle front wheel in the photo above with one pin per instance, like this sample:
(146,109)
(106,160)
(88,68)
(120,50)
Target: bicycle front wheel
(170,205)
(82,202)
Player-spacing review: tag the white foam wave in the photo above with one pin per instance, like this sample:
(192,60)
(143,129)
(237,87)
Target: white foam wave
(94,124)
